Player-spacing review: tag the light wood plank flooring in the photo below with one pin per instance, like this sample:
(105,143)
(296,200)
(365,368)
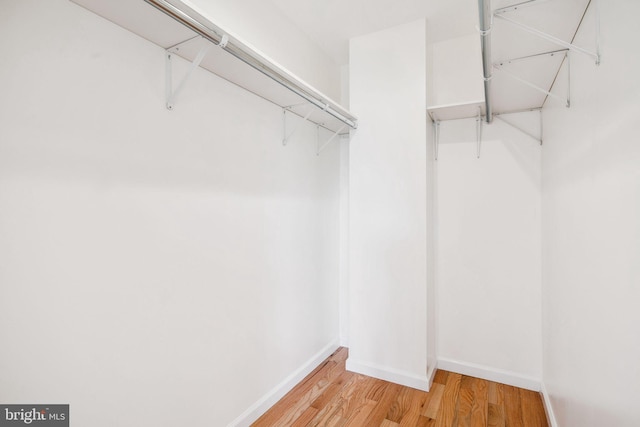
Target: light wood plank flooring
(332,396)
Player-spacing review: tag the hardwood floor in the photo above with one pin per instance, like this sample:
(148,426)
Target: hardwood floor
(332,396)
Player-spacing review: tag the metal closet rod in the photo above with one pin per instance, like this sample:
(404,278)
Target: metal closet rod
(197,23)
(484,10)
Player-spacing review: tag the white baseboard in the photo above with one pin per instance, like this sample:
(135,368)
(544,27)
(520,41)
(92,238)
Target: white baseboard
(408,379)
(491,374)
(551,418)
(271,398)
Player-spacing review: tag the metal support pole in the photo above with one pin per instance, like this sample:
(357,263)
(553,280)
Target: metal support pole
(485,15)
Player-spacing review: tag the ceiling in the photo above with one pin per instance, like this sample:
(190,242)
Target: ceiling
(331,23)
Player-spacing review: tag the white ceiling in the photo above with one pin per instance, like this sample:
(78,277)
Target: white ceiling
(331,23)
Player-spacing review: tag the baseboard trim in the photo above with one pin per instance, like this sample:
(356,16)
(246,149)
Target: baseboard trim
(408,379)
(491,374)
(271,398)
(548,408)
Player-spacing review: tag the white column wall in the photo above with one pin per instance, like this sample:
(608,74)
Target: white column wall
(591,230)
(159,268)
(388,206)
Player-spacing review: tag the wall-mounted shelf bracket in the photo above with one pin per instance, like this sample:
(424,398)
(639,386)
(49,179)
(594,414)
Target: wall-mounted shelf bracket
(286,136)
(572,47)
(500,67)
(520,5)
(327,142)
(170,93)
(500,116)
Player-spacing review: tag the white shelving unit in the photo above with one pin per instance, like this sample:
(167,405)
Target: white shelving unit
(183,32)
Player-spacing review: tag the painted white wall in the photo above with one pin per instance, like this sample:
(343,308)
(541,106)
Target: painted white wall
(591,231)
(265,27)
(488,212)
(175,266)
(455,71)
(388,206)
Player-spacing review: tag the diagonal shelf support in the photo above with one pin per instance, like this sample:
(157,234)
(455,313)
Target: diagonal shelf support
(518,128)
(335,134)
(553,39)
(566,100)
(171,93)
(436,138)
(285,136)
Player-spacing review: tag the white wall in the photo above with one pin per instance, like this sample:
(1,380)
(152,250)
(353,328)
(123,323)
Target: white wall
(388,206)
(591,231)
(455,72)
(173,267)
(263,26)
(488,212)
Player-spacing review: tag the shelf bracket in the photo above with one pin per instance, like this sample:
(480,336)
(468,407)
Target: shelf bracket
(285,136)
(533,86)
(572,47)
(171,94)
(518,128)
(335,134)
(478,132)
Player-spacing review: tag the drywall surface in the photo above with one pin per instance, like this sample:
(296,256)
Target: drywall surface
(488,291)
(388,206)
(455,72)
(263,26)
(591,231)
(159,268)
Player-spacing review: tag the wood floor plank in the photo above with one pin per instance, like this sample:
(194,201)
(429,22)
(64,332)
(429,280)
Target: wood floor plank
(446,415)
(495,416)
(332,397)
(401,406)
(495,410)
(334,388)
(348,401)
(425,422)
(436,392)
(417,404)
(389,393)
(305,417)
(464,403)
(533,414)
(480,405)
(440,377)
(513,407)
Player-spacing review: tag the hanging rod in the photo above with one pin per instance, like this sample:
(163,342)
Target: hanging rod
(197,23)
(484,9)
